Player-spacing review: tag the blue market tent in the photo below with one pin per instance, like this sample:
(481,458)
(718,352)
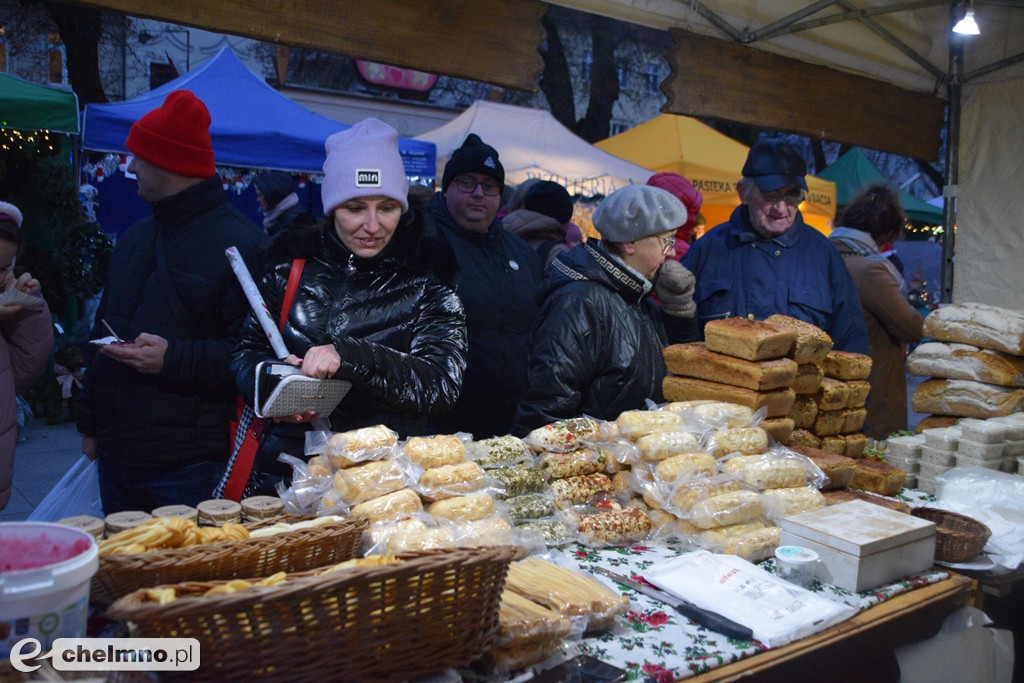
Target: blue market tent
(854,171)
(253,126)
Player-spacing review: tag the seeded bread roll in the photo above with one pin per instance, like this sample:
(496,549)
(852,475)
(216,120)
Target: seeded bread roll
(435,451)
(744,440)
(696,360)
(777,402)
(846,365)
(988,327)
(838,468)
(966,398)
(748,339)
(812,343)
(661,445)
(779,428)
(833,394)
(964,361)
(859,390)
(878,477)
(803,437)
(804,411)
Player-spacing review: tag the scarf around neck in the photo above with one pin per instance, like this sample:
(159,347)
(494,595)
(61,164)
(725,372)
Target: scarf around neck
(863,244)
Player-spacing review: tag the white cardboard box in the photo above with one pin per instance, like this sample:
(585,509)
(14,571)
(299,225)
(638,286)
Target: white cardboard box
(862,545)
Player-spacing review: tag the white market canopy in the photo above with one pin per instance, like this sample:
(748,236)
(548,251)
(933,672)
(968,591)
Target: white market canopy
(531,143)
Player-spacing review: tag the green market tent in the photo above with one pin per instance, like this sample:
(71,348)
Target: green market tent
(29,106)
(854,171)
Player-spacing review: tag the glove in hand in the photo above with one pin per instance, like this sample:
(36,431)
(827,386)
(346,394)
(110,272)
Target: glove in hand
(674,287)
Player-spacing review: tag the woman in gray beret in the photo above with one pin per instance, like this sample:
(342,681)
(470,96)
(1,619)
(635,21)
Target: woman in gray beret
(596,348)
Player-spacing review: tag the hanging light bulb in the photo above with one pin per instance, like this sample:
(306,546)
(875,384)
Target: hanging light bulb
(967,26)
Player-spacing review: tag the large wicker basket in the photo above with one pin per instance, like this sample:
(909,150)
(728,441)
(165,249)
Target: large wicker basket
(435,610)
(958,538)
(288,551)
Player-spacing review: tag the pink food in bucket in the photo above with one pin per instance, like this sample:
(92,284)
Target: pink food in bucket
(18,553)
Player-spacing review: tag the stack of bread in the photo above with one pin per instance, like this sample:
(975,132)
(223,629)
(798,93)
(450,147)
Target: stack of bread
(975,365)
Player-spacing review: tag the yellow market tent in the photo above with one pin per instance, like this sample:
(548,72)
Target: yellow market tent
(711,161)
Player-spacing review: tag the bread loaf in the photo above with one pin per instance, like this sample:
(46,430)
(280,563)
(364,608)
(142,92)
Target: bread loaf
(579,489)
(743,440)
(963,361)
(766,472)
(832,394)
(846,365)
(859,391)
(661,445)
(855,445)
(844,495)
(936,421)
(777,402)
(747,339)
(463,508)
(878,477)
(808,378)
(966,398)
(580,461)
(633,424)
(803,437)
(790,501)
(435,451)
(696,360)
(853,420)
(685,466)
(725,509)
(812,343)
(829,422)
(988,327)
(395,505)
(804,411)
(723,413)
(779,428)
(368,480)
(834,443)
(447,481)
(838,468)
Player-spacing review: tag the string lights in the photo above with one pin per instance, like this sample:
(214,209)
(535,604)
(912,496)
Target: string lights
(12,140)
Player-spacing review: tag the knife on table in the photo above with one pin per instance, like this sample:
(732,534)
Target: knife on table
(706,618)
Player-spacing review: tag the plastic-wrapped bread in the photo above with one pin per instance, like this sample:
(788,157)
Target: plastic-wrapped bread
(753,541)
(515,481)
(808,378)
(777,403)
(725,509)
(803,437)
(966,398)
(679,406)
(988,327)
(964,361)
(721,413)
(320,466)
(747,339)
(744,440)
(567,592)
(767,472)
(689,493)
(778,428)
(380,532)
(618,527)
(622,483)
(789,501)
(696,360)
(685,466)
(846,365)
(499,451)
(447,481)
(580,461)
(530,506)
(425,539)
(719,535)
(435,451)
(346,448)
(812,343)
(463,508)
(661,445)
(521,620)
(562,436)
(395,505)
(634,424)
(579,489)
(368,480)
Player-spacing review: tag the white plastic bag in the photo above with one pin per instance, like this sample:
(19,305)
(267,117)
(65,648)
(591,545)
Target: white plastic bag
(994,498)
(964,651)
(77,493)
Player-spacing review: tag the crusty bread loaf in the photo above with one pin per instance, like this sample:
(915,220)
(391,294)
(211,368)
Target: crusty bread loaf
(988,327)
(834,443)
(846,365)
(966,398)
(779,428)
(878,477)
(844,495)
(808,378)
(855,445)
(936,421)
(777,402)
(803,437)
(833,394)
(829,422)
(812,343)
(859,390)
(696,360)
(804,411)
(963,361)
(838,468)
(853,420)
(747,339)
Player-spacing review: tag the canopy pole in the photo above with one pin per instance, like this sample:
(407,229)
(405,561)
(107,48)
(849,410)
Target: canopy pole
(950,193)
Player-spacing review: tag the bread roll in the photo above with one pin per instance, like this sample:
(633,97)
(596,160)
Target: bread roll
(695,360)
(368,480)
(463,508)
(580,461)
(804,411)
(357,444)
(579,489)
(435,451)
(754,545)
(725,509)
(617,527)
(677,406)
(846,365)
(838,468)
(766,472)
(878,477)
(447,481)
(426,539)
(988,327)
(812,343)
(634,424)
(661,445)
(834,443)
(499,451)
(808,378)
(803,437)
(719,535)
(779,503)
(320,466)
(690,493)
(745,440)
(778,428)
(966,398)
(855,445)
(963,361)
(394,505)
(748,339)
(833,394)
(859,390)
(562,436)
(724,413)
(777,403)
(685,466)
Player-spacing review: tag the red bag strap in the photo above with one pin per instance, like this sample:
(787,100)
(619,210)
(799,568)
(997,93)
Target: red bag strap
(294,275)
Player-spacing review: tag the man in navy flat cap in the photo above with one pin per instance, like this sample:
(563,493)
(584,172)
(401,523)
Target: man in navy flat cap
(767,260)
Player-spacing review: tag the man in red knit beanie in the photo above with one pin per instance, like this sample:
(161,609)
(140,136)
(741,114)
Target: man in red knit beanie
(155,404)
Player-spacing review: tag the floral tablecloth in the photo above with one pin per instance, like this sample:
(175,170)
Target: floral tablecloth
(656,645)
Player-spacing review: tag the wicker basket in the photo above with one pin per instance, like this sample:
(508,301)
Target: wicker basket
(436,610)
(288,551)
(958,538)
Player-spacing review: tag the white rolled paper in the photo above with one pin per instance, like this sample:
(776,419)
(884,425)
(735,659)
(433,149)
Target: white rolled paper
(259,306)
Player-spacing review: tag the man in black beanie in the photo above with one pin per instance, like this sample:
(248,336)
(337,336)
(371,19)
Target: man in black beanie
(500,278)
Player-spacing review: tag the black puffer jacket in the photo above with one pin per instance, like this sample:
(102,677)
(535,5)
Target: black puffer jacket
(395,320)
(597,346)
(179,416)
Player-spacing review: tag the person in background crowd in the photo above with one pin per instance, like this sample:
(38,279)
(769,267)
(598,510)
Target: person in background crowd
(872,219)
(501,275)
(375,305)
(275,192)
(683,190)
(596,349)
(154,409)
(26,337)
(767,260)
(544,219)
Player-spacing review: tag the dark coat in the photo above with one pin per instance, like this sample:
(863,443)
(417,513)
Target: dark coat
(501,275)
(597,345)
(180,415)
(395,320)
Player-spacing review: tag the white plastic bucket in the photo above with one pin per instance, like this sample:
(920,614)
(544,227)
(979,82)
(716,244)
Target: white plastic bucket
(46,602)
